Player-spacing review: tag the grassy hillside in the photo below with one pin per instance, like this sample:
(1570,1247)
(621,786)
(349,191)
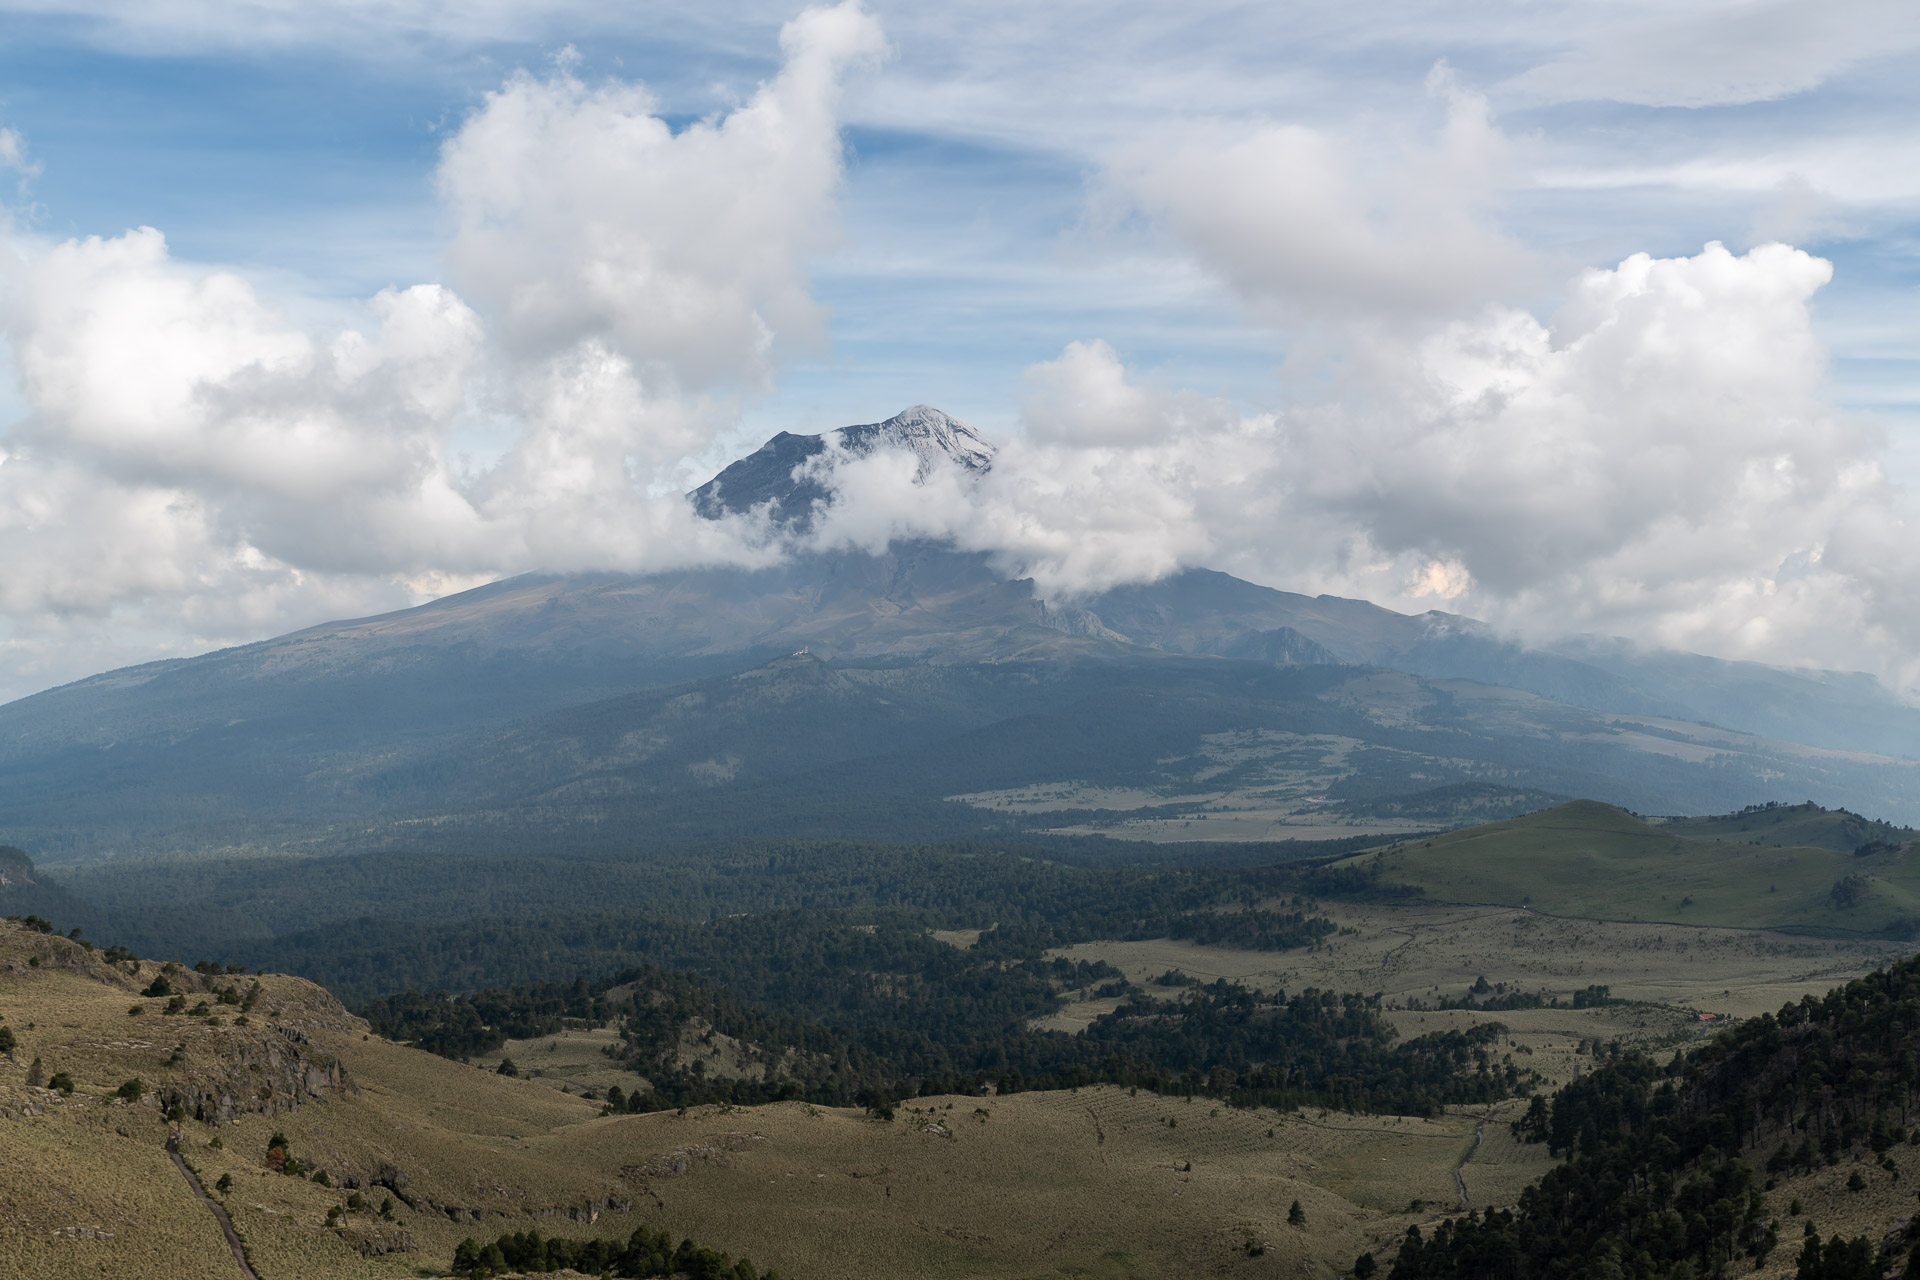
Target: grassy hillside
(1031,1186)
(1593,860)
(1792,824)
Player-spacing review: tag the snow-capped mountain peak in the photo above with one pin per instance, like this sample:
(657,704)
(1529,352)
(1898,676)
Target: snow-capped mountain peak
(934,437)
(773,472)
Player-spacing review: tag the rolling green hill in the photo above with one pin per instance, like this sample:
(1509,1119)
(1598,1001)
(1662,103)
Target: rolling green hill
(1593,860)
(1796,824)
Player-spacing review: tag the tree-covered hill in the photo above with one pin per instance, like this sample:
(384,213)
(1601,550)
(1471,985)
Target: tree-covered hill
(1669,1168)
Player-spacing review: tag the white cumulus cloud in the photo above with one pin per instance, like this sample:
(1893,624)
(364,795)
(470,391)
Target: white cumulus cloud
(1655,459)
(193,466)
(1303,221)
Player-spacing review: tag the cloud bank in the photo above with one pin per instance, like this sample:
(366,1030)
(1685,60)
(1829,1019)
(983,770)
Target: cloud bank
(193,466)
(1646,448)
(1657,459)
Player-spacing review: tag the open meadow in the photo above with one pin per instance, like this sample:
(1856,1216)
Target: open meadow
(1098,1181)
(1424,953)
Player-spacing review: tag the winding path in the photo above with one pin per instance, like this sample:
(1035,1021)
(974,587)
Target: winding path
(1479,1132)
(220,1214)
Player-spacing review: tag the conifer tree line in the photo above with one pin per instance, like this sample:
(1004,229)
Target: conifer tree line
(423,921)
(646,1253)
(858,1016)
(1669,1168)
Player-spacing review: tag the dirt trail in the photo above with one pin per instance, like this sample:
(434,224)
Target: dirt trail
(219,1213)
(1479,1132)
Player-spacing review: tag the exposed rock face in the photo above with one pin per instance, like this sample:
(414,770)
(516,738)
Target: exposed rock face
(267,1067)
(374,1242)
(51,951)
(268,1073)
(16,868)
(394,1179)
(684,1160)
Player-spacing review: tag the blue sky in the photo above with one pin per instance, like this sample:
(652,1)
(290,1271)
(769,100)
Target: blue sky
(1014,181)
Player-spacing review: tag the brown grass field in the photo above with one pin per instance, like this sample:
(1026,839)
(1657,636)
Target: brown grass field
(1099,1182)
(1424,952)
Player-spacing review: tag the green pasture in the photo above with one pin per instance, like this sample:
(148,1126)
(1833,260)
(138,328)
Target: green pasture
(1593,860)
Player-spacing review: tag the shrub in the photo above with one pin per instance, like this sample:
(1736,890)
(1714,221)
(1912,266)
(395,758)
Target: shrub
(61,1081)
(225,1184)
(132,1090)
(158,988)
(6,1041)
(506,1068)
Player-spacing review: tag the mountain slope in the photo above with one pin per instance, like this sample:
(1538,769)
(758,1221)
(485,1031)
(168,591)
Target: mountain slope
(335,726)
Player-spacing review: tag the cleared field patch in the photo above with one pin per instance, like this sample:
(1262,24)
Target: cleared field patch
(572,1060)
(1502,1166)
(1236,818)
(1248,784)
(1420,954)
(1078,1013)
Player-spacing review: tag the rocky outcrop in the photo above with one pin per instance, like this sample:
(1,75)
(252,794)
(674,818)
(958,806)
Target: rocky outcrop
(376,1241)
(269,1072)
(683,1160)
(394,1179)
